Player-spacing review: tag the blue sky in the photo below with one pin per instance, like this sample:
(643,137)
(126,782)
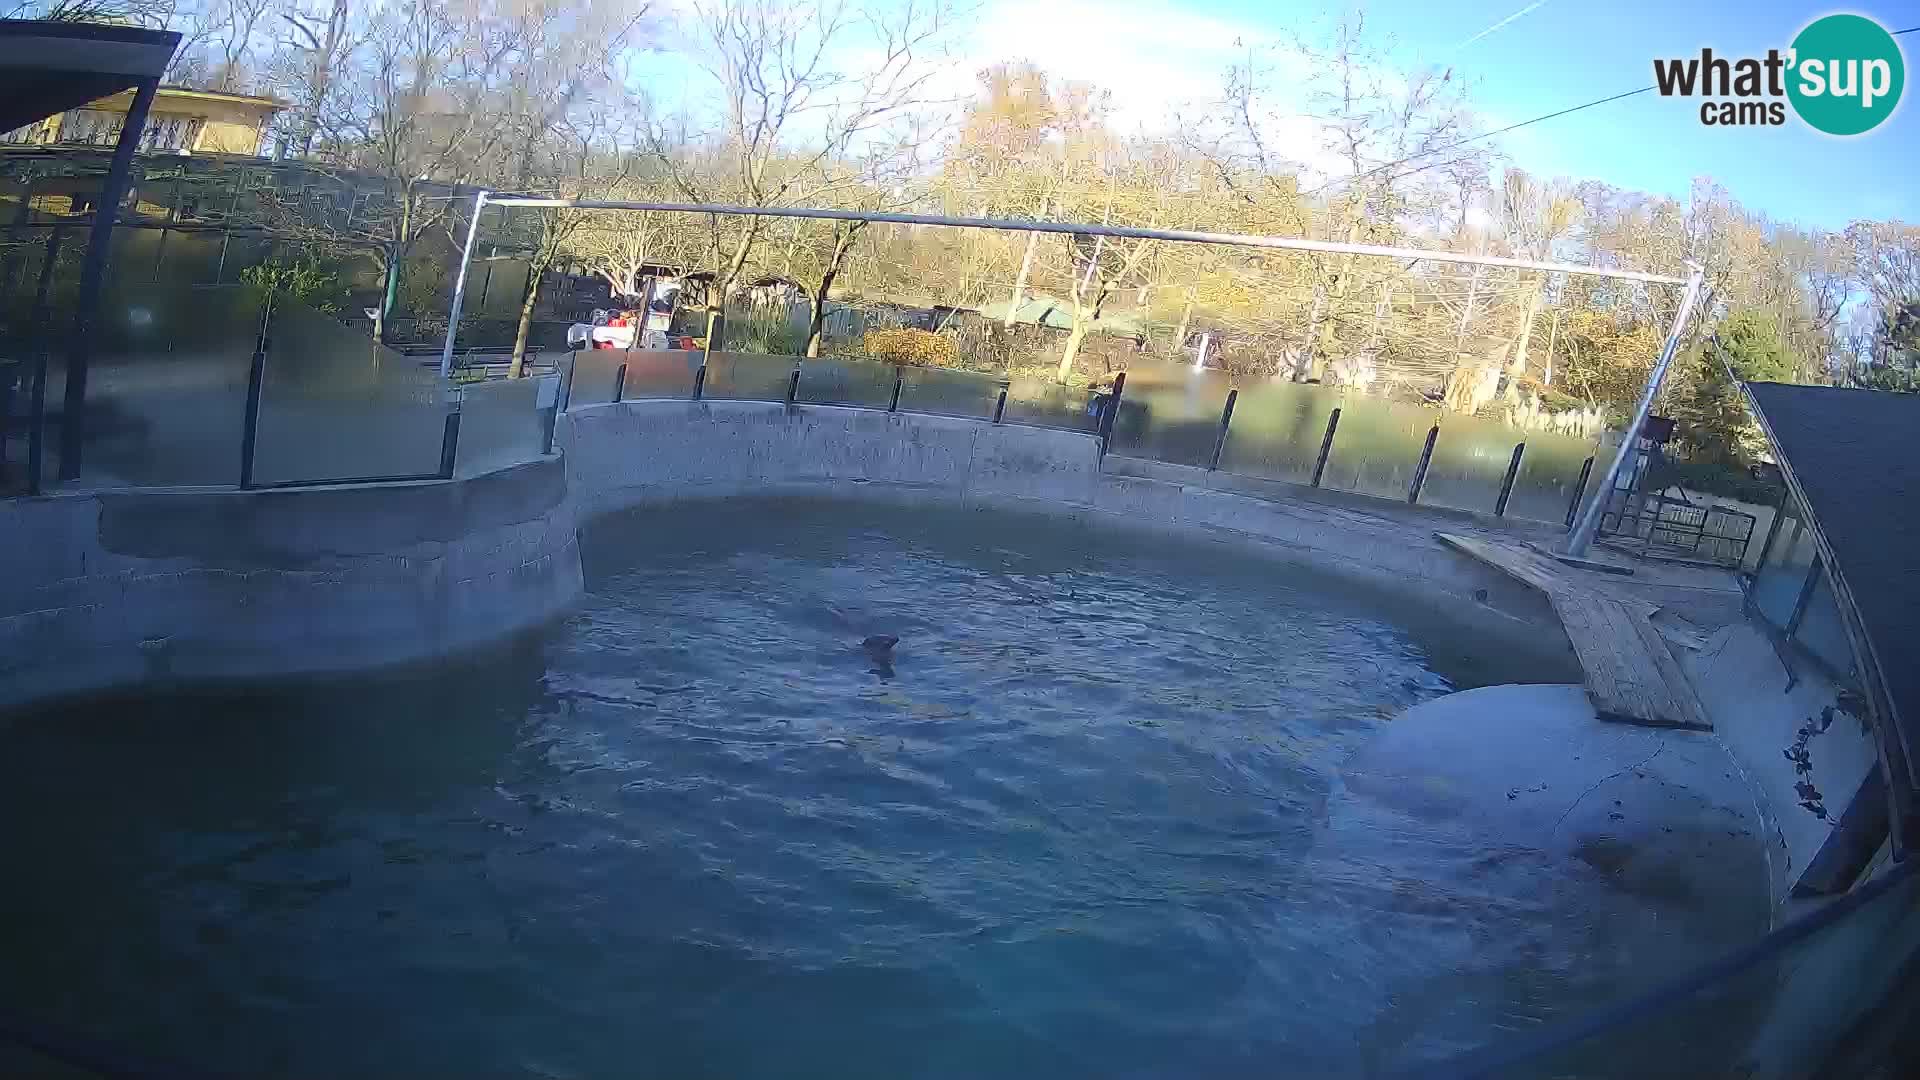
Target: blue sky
(1157,56)
(1566,52)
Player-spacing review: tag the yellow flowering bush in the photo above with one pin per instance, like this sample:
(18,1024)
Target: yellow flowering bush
(921,348)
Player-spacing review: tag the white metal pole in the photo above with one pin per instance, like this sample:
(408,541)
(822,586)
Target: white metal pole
(1589,524)
(1123,232)
(460,285)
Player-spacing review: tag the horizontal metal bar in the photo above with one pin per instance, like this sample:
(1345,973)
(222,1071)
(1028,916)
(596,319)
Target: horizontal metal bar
(1126,232)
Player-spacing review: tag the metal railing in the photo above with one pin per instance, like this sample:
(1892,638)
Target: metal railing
(1478,470)
(224,386)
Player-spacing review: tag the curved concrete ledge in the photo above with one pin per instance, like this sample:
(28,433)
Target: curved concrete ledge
(118,589)
(106,591)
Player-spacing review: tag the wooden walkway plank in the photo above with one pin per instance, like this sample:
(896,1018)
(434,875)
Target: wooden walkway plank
(1630,671)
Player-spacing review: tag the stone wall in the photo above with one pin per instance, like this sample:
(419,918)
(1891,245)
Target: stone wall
(114,590)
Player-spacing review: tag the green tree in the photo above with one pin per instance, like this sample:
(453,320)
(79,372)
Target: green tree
(1747,347)
(305,280)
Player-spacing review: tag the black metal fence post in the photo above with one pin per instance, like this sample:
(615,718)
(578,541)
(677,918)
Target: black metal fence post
(1579,489)
(1326,447)
(449,444)
(899,379)
(1506,485)
(793,387)
(1000,406)
(1112,410)
(256,380)
(1220,437)
(619,382)
(1814,570)
(1420,470)
(700,381)
(37,399)
(37,410)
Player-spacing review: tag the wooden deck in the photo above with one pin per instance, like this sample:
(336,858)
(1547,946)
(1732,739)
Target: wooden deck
(1631,674)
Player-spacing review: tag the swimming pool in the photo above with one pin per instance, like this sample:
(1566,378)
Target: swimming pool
(1086,818)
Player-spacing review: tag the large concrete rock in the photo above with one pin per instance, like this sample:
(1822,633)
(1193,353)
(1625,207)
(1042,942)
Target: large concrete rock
(1578,863)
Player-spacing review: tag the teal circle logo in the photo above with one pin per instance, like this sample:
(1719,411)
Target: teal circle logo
(1846,76)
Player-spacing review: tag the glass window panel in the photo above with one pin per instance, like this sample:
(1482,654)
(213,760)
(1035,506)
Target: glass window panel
(594,373)
(1821,631)
(1470,460)
(1549,475)
(1377,447)
(190,258)
(838,381)
(503,287)
(1776,588)
(133,257)
(660,373)
(500,425)
(748,376)
(336,405)
(1170,413)
(167,386)
(1277,429)
(1045,403)
(945,392)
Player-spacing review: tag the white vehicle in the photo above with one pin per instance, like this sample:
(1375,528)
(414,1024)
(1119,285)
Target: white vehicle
(607,331)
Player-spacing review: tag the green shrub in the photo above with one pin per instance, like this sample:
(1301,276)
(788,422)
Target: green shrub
(305,281)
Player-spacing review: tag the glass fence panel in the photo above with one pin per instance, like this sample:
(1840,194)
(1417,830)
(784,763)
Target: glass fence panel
(1783,1014)
(945,392)
(500,425)
(1377,447)
(1277,430)
(166,386)
(748,376)
(336,405)
(1776,587)
(660,373)
(1170,413)
(1549,475)
(841,381)
(1045,403)
(1821,631)
(595,371)
(190,257)
(1470,460)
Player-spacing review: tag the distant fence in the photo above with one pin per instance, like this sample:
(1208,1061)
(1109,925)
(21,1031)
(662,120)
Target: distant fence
(1310,434)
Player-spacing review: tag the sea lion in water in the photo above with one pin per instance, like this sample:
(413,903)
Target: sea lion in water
(879,649)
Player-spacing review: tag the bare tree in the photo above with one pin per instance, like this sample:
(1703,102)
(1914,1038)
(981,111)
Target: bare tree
(801,85)
(318,43)
(151,13)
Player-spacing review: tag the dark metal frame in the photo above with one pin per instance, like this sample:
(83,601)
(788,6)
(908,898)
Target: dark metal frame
(1889,727)
(106,213)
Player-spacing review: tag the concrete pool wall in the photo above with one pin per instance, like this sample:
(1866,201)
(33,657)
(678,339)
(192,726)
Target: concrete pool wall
(147,588)
(122,589)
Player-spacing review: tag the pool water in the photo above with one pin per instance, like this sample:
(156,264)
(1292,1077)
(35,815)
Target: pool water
(1086,820)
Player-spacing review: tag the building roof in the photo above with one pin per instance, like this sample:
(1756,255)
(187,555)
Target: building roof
(178,93)
(1848,456)
(50,67)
